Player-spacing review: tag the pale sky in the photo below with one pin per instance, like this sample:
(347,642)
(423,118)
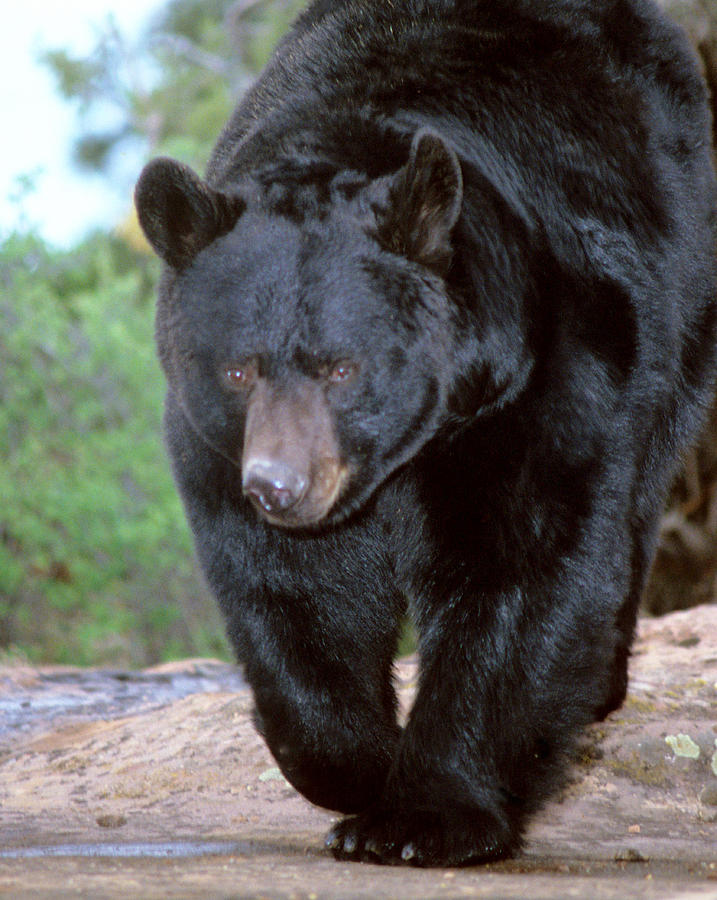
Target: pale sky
(37,125)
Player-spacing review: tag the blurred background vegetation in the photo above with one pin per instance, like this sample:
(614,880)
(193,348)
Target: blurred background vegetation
(96,564)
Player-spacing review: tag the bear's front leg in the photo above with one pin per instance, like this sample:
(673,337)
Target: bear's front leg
(320,670)
(327,713)
(506,683)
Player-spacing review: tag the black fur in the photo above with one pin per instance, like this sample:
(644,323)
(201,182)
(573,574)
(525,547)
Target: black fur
(436,327)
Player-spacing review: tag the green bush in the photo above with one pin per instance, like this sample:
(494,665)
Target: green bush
(96,564)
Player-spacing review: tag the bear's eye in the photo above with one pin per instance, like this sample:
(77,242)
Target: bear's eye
(341,372)
(242,376)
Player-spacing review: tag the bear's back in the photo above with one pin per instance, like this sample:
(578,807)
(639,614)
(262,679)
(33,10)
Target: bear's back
(563,106)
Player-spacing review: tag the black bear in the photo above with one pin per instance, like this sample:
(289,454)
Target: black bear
(436,326)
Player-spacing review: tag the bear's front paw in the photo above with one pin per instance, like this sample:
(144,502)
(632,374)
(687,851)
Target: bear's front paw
(422,838)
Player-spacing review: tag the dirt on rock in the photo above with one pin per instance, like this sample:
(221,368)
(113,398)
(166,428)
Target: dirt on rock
(155,784)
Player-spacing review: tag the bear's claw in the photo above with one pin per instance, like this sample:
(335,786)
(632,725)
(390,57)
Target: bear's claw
(420,839)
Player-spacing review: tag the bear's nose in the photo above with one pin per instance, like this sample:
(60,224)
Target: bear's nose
(272,486)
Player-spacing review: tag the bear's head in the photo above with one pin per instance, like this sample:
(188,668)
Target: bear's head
(314,346)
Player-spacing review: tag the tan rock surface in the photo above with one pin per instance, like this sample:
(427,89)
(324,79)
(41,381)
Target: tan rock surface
(155,784)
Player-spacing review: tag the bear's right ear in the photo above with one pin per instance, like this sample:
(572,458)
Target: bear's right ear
(179,213)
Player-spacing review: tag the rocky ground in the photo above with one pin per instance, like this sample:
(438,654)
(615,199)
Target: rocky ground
(154,784)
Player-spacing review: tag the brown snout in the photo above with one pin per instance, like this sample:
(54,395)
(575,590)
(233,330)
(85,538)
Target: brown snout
(291,470)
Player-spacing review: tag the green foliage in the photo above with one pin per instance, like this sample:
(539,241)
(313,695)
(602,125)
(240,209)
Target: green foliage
(95,558)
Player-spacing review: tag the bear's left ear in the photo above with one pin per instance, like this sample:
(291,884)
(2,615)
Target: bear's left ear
(424,203)
(180,213)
